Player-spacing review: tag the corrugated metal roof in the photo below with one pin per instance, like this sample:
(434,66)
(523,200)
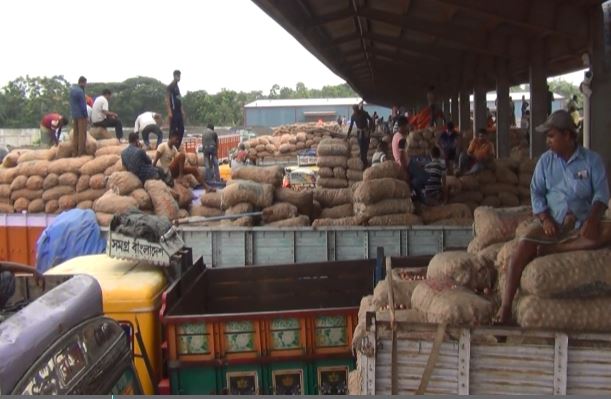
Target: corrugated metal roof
(304,102)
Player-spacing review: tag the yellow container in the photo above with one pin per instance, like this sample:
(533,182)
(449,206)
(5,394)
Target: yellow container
(131,291)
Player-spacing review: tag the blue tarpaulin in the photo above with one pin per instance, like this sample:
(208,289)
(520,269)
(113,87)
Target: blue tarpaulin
(73,233)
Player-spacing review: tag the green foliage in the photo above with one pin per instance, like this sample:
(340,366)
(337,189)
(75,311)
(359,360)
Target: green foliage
(24,101)
(566,90)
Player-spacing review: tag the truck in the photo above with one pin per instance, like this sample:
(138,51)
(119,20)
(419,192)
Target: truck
(55,340)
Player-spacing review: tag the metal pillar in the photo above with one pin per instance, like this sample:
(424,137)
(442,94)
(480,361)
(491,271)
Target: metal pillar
(446,109)
(464,119)
(538,98)
(600,101)
(480,111)
(454,114)
(503,112)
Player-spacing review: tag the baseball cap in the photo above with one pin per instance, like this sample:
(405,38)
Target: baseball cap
(560,120)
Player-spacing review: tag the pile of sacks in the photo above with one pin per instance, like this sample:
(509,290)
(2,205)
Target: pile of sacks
(289,140)
(332,161)
(254,189)
(508,185)
(51,181)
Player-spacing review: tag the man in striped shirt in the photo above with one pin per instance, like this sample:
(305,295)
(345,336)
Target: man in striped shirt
(434,188)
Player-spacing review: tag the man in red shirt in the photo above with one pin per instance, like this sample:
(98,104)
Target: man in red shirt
(51,127)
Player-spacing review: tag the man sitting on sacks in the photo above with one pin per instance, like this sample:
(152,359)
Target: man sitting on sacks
(569,192)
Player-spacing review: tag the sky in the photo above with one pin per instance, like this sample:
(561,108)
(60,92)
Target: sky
(216,44)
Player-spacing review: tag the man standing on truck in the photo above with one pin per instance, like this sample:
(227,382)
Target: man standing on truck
(173,102)
(363,122)
(102,117)
(78,109)
(210,144)
(570,193)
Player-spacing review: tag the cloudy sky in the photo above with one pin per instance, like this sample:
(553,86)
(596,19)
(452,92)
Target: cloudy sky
(216,44)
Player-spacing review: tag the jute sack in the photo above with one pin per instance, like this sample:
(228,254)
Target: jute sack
(212,200)
(355,164)
(301,199)
(30,195)
(117,167)
(66,202)
(431,214)
(60,166)
(98,181)
(384,207)
(525,179)
(443,302)
(82,183)
(85,205)
(465,269)
(245,221)
(7,175)
(268,175)
(238,209)
(123,183)
(164,203)
(10,160)
(110,150)
(64,150)
(331,147)
(104,219)
(331,182)
(99,164)
(509,199)
(583,315)
(372,191)
(51,206)
(36,206)
(332,197)
(491,253)
(5,191)
(467,196)
(494,225)
(349,221)
(297,221)
(332,161)
(260,195)
(397,219)
(485,177)
(6,208)
(107,143)
(339,173)
(185,195)
(387,169)
(354,175)
(469,183)
(67,179)
(402,290)
(453,185)
(528,165)
(89,195)
(497,188)
(34,183)
(504,175)
(278,211)
(578,274)
(492,200)
(112,203)
(33,168)
(143,199)
(337,212)
(19,183)
(21,204)
(38,155)
(325,172)
(200,210)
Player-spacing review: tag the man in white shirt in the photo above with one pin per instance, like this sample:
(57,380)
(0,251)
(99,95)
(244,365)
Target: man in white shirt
(102,117)
(147,123)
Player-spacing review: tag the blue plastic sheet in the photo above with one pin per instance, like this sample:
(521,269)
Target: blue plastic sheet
(73,233)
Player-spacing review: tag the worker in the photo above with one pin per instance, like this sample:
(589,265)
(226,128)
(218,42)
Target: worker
(415,173)
(434,188)
(572,109)
(429,116)
(51,128)
(173,102)
(102,117)
(479,155)
(147,123)
(210,144)
(525,105)
(380,155)
(363,122)
(135,160)
(512,109)
(78,109)
(172,161)
(239,158)
(449,142)
(569,193)
(89,102)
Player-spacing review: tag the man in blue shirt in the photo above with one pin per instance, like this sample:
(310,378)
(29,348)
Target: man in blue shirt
(78,108)
(570,193)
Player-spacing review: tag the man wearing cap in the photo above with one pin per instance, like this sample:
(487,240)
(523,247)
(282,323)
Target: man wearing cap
(569,194)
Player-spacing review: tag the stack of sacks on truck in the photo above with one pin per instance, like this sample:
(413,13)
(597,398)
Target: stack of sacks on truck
(51,181)
(254,189)
(335,201)
(508,185)
(332,162)
(383,198)
(288,141)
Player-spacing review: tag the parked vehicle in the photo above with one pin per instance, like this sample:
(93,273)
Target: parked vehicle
(58,342)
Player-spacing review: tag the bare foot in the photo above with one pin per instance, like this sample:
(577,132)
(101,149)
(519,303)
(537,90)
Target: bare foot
(503,317)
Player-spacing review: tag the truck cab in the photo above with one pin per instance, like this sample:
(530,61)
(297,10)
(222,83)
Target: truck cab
(57,342)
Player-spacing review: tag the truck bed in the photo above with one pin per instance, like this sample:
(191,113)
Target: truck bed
(485,360)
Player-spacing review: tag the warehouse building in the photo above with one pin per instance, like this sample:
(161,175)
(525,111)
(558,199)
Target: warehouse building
(270,113)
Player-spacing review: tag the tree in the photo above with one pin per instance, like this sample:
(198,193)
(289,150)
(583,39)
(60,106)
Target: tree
(566,90)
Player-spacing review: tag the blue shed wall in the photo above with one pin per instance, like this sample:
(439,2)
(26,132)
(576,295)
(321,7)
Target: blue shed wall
(276,116)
